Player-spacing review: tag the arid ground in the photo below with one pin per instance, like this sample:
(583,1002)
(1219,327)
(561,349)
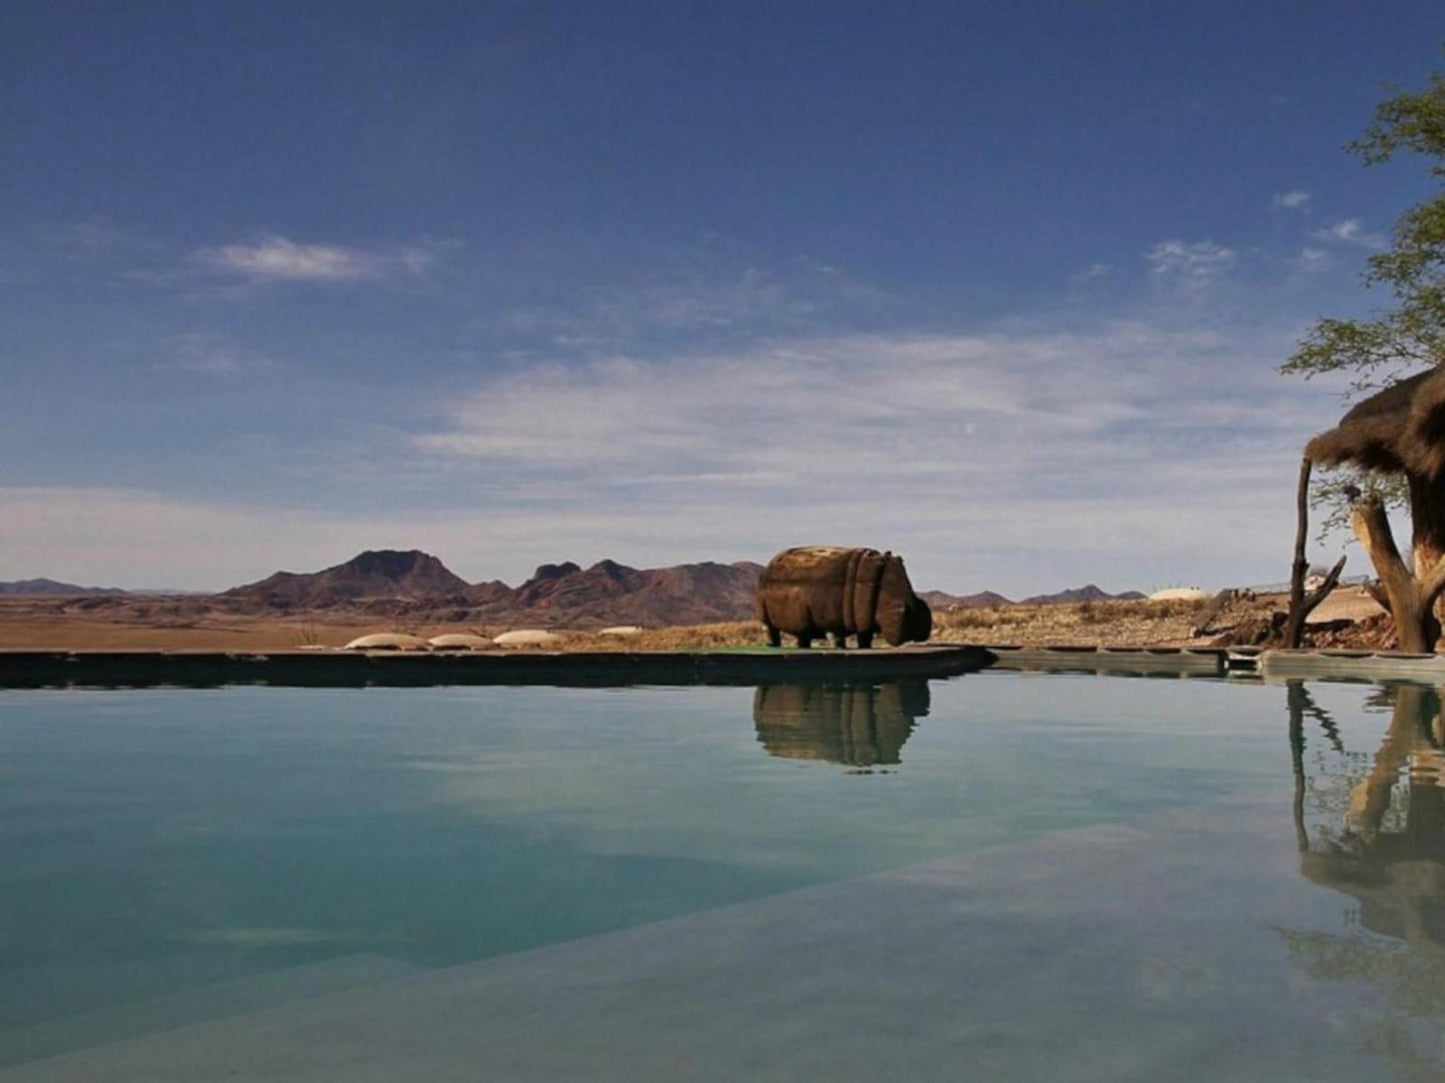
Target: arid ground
(1348,617)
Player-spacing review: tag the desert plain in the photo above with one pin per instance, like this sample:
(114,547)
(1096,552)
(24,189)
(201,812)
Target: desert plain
(1349,617)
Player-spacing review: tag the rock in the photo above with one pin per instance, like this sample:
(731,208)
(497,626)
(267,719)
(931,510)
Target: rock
(387,641)
(1180,594)
(528,637)
(459,641)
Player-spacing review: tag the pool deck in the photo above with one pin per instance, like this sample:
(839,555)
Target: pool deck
(357,669)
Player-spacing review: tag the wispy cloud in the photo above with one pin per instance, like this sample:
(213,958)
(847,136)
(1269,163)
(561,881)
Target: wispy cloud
(1350,231)
(1189,268)
(1310,259)
(949,398)
(209,355)
(1065,443)
(1296,199)
(274,258)
(214,362)
(693,299)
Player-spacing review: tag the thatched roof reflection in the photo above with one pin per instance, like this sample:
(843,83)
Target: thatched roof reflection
(1401,428)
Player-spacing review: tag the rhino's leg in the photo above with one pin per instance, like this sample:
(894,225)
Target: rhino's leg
(805,641)
(865,640)
(840,641)
(775,637)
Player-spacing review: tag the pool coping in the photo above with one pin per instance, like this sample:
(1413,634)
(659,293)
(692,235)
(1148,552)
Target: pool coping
(356,669)
(64,668)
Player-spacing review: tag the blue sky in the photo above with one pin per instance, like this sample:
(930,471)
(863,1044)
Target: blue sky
(1002,287)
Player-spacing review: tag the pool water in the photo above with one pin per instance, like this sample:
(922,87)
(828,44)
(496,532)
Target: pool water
(258,846)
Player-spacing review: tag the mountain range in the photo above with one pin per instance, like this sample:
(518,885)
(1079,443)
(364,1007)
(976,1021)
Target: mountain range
(415,584)
(556,594)
(563,594)
(987,599)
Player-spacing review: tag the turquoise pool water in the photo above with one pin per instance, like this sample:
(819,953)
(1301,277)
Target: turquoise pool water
(160,845)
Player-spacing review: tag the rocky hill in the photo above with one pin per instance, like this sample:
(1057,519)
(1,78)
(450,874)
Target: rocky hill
(1076,595)
(612,593)
(986,599)
(53,588)
(376,573)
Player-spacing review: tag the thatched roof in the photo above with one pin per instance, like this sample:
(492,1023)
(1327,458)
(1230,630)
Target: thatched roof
(1399,429)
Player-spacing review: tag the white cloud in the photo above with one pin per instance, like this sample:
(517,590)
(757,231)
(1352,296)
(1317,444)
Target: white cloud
(1295,199)
(1095,272)
(1189,268)
(276,258)
(1350,231)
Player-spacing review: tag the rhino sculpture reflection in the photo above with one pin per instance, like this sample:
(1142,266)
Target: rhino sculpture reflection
(857,725)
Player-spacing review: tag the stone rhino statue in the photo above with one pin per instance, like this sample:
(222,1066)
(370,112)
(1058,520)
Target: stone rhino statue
(819,590)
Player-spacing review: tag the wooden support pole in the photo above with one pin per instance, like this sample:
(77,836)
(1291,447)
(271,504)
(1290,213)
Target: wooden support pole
(1300,606)
(1295,625)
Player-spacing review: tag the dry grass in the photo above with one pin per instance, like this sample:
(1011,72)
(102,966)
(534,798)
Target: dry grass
(1109,623)
(680,638)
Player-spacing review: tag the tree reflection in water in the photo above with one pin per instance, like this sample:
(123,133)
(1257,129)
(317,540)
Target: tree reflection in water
(1373,828)
(858,725)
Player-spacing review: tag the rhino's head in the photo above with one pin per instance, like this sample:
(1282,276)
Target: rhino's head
(903,617)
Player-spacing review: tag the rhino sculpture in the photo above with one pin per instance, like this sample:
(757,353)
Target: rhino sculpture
(820,590)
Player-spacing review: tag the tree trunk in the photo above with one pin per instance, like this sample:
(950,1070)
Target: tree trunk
(1411,596)
(1427,518)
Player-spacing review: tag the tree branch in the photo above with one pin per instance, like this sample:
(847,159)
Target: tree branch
(1372,588)
(1332,580)
(1433,582)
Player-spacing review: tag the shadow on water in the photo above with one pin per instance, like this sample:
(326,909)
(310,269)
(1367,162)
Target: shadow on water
(1372,827)
(858,725)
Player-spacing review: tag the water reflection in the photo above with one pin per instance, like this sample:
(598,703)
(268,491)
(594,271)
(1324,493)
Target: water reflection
(857,725)
(1373,828)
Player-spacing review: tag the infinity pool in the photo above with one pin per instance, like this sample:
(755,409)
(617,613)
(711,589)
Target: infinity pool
(999,876)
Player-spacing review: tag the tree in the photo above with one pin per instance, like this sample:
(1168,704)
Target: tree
(1407,337)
